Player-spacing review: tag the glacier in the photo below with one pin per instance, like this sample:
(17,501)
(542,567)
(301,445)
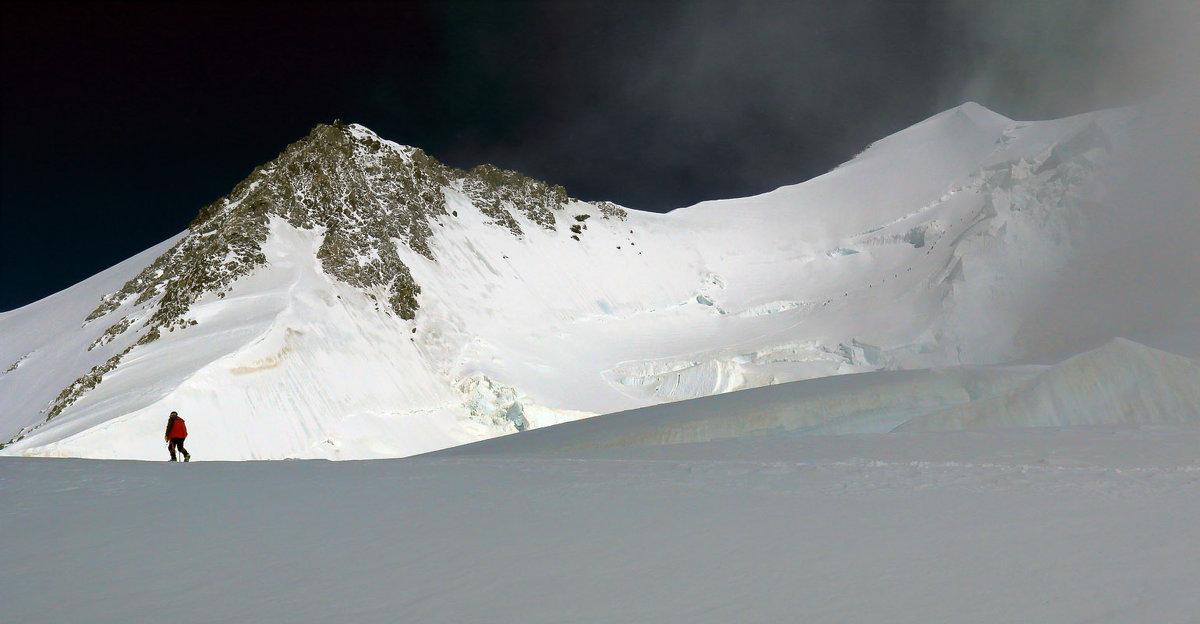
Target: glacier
(517,307)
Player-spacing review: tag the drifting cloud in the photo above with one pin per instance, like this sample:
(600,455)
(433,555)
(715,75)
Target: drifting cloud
(682,102)
(715,99)
(1138,274)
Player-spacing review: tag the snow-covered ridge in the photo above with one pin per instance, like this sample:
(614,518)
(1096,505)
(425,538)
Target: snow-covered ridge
(361,191)
(364,194)
(1120,383)
(355,298)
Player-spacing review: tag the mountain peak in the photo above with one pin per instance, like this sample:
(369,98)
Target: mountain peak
(362,192)
(343,138)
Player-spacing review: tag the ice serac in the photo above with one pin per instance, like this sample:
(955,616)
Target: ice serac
(356,298)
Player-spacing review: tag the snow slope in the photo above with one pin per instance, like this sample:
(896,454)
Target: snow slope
(1121,383)
(922,251)
(1092,524)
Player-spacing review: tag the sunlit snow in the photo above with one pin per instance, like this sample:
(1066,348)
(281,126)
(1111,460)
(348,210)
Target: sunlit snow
(921,252)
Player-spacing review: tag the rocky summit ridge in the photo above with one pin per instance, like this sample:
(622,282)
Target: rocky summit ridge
(365,194)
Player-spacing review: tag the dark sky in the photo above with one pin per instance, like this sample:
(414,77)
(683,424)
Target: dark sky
(120,121)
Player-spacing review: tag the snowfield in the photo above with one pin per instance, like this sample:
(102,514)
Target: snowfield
(1084,524)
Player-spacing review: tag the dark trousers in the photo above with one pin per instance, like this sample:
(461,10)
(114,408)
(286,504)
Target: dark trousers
(177,443)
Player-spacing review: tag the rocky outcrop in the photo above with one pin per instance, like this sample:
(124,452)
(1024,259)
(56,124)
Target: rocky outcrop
(362,192)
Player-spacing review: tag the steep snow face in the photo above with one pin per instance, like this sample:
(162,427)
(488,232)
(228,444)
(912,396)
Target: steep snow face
(355,298)
(248,367)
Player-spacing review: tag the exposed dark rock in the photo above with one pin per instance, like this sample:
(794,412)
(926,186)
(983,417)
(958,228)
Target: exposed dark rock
(364,193)
(612,211)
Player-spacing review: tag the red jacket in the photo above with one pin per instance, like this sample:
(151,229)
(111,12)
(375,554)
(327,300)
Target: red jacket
(176,428)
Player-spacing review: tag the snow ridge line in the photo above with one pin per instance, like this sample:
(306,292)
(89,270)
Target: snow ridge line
(853,463)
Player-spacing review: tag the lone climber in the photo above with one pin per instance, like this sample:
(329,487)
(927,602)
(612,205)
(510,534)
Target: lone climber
(176,432)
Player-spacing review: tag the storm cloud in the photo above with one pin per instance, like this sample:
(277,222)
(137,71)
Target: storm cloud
(127,118)
(702,100)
